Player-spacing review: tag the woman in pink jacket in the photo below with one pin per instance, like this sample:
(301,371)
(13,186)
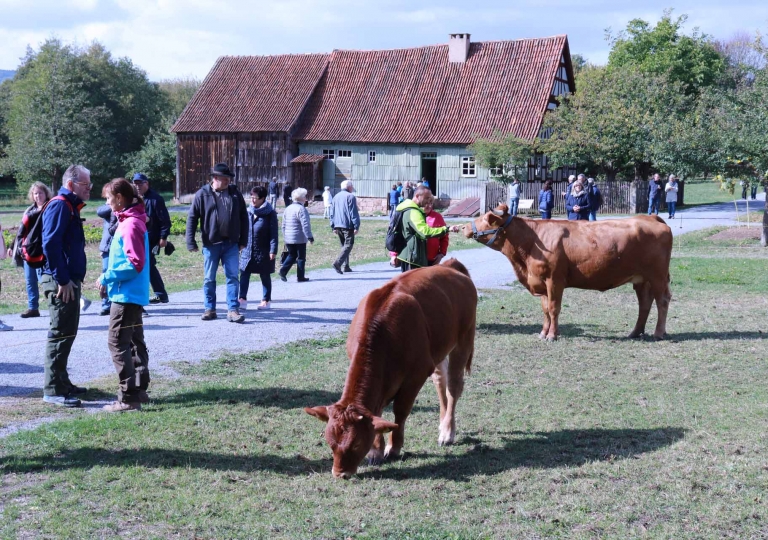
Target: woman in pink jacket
(437,248)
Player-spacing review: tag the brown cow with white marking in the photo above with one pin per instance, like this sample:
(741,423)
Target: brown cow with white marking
(401,334)
(551,255)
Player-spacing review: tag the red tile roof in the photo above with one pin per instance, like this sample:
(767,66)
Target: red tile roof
(307,158)
(393,96)
(253,93)
(417,96)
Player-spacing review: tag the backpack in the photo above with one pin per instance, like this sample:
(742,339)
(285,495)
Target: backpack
(598,199)
(32,243)
(395,239)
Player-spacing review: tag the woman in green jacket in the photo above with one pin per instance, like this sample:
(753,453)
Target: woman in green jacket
(416,231)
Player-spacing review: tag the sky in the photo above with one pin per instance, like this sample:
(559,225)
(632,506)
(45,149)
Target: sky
(182,38)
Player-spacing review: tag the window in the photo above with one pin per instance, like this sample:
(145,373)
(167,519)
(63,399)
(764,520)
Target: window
(468,166)
(496,172)
(371,156)
(328,154)
(345,153)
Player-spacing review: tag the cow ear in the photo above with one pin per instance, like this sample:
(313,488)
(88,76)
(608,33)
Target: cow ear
(382,426)
(321,412)
(503,208)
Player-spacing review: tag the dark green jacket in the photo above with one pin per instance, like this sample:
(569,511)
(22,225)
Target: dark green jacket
(416,231)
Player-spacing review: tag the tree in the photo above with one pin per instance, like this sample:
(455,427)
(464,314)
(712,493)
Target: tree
(663,50)
(157,156)
(507,153)
(579,63)
(71,105)
(611,121)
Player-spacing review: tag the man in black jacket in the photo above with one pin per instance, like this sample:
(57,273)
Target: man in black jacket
(158,229)
(223,216)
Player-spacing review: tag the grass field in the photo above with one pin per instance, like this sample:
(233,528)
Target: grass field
(183,270)
(590,436)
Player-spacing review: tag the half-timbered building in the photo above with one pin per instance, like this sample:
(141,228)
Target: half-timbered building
(375,117)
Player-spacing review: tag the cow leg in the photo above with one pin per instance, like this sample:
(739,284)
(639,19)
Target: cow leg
(376,453)
(401,406)
(440,377)
(547,321)
(663,296)
(645,301)
(554,301)
(457,363)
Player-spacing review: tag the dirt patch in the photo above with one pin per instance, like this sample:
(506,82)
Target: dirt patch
(738,233)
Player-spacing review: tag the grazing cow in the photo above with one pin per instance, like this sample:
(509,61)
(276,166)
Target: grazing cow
(550,256)
(400,335)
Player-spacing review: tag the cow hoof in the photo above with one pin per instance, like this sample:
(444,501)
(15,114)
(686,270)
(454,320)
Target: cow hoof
(660,338)
(445,439)
(543,335)
(635,335)
(375,458)
(551,338)
(391,452)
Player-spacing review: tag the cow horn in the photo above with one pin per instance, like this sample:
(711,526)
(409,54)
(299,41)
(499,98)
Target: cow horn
(497,213)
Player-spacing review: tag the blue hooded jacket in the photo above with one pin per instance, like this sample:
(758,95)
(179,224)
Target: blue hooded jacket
(64,239)
(127,275)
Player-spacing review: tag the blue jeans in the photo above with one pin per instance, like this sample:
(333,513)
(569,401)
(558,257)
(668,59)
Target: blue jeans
(546,214)
(671,208)
(653,205)
(105,302)
(31,276)
(266,285)
(297,253)
(593,215)
(513,206)
(228,253)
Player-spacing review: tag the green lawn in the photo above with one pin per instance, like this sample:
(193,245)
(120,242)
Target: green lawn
(706,191)
(591,436)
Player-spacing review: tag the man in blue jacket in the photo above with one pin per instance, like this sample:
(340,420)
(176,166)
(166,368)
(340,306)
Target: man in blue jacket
(158,228)
(345,222)
(63,274)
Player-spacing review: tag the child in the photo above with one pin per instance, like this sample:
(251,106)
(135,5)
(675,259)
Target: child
(327,197)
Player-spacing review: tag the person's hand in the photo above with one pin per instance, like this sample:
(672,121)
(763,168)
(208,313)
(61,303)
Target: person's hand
(102,291)
(355,232)
(439,258)
(311,242)
(66,292)
(576,208)
(455,228)
(162,243)
(242,248)
(271,256)
(194,250)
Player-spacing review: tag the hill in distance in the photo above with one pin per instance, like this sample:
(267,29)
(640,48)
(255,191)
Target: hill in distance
(6,74)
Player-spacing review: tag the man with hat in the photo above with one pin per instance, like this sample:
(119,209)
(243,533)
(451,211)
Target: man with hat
(220,209)
(158,229)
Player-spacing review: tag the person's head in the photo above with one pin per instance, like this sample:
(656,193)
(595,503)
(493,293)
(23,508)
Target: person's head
(77,179)
(274,179)
(347,185)
(299,195)
(39,194)
(120,194)
(590,180)
(578,187)
(423,196)
(399,183)
(515,180)
(258,196)
(571,179)
(656,177)
(547,185)
(672,178)
(429,207)
(582,178)
(141,182)
(221,176)
(327,188)
(394,186)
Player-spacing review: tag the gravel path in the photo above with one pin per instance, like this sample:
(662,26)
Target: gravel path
(323,306)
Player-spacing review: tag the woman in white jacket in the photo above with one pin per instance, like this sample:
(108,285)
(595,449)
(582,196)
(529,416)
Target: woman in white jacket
(297,231)
(671,195)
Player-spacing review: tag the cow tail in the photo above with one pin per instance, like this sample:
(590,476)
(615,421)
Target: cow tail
(468,367)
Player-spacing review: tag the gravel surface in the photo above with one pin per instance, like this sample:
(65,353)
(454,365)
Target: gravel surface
(321,307)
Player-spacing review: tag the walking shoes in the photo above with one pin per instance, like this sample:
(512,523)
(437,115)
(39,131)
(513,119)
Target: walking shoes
(119,406)
(30,313)
(337,267)
(68,401)
(264,305)
(209,315)
(243,304)
(84,303)
(235,316)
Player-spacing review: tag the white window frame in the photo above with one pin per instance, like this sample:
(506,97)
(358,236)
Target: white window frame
(471,166)
(344,153)
(329,154)
(495,172)
(371,156)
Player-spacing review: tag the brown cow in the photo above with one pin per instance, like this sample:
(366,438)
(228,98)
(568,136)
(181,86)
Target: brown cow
(400,335)
(551,255)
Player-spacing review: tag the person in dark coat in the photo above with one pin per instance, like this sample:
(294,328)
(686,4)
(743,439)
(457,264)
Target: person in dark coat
(287,189)
(655,189)
(272,192)
(258,257)
(109,226)
(546,200)
(578,203)
(158,228)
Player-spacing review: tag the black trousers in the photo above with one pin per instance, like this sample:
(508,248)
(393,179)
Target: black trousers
(155,279)
(347,240)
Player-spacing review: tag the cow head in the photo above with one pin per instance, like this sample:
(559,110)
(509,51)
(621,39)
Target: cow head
(350,433)
(487,228)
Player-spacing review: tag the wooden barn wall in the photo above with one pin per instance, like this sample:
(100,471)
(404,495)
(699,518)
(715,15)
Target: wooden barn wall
(255,158)
(197,154)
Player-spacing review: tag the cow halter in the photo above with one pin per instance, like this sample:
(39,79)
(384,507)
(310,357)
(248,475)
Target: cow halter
(495,232)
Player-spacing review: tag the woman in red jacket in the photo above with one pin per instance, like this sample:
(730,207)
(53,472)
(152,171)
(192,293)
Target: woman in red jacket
(437,248)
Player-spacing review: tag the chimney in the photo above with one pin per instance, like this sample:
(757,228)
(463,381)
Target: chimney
(458,47)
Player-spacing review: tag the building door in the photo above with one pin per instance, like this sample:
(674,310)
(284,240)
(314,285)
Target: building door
(429,170)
